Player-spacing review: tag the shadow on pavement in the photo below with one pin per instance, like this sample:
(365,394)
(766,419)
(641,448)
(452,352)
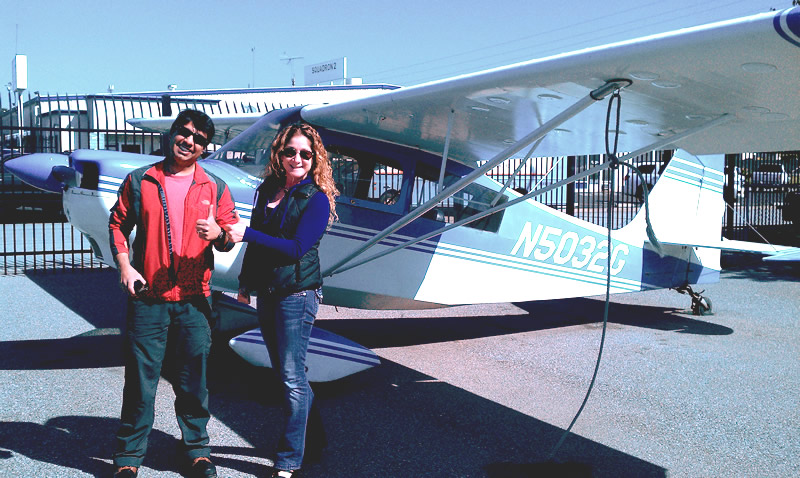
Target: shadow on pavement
(395,421)
(546,314)
(78,442)
(387,421)
(105,307)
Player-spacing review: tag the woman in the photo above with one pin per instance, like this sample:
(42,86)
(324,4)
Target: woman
(292,209)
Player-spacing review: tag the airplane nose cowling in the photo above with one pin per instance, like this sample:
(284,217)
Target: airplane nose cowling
(37,170)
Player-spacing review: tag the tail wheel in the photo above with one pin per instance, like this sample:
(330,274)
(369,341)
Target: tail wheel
(702,306)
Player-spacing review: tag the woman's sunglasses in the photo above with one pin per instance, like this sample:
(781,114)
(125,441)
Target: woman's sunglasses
(199,140)
(291,152)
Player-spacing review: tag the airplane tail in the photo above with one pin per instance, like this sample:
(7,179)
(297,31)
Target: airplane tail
(686,208)
(686,204)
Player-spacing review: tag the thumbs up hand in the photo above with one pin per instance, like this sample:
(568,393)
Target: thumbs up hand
(236,230)
(208,228)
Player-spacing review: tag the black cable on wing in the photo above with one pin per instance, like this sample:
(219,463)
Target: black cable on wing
(609,216)
(651,236)
(612,155)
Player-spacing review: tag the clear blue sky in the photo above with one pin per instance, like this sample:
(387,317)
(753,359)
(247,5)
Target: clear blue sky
(86,45)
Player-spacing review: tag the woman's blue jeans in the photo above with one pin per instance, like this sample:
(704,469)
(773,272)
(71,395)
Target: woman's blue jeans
(286,324)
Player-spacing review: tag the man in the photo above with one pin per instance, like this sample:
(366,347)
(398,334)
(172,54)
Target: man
(177,209)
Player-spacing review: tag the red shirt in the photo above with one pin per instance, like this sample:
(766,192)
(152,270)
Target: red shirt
(142,204)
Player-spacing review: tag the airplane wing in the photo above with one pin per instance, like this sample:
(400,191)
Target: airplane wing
(227,126)
(747,69)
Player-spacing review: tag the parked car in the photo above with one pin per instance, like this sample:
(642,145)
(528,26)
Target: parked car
(8,153)
(632,184)
(769,175)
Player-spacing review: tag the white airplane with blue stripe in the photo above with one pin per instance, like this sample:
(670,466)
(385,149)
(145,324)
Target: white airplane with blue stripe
(422,226)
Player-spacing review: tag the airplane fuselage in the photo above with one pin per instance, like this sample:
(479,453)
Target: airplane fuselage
(529,252)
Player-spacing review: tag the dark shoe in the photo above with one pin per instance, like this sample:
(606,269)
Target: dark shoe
(126,472)
(202,468)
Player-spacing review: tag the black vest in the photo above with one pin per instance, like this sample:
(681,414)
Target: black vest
(268,271)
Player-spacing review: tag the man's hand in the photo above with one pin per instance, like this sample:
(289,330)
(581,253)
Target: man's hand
(128,276)
(207,228)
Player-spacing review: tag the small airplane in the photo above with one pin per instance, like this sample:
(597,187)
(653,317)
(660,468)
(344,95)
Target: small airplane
(422,226)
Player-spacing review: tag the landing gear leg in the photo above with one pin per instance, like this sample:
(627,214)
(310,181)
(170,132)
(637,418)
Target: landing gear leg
(700,305)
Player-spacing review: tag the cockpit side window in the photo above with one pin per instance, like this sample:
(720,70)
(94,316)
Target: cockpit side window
(471,200)
(369,178)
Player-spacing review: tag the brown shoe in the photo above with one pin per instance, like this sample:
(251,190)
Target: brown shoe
(126,472)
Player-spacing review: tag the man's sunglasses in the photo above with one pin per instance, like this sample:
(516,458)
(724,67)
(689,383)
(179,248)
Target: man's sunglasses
(291,152)
(199,140)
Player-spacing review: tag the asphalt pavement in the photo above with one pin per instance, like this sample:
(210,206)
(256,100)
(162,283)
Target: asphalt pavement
(471,391)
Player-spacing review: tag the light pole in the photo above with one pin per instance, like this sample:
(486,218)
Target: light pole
(19,80)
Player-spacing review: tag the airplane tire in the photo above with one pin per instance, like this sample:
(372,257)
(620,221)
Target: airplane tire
(702,306)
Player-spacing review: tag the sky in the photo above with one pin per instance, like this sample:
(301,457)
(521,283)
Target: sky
(84,46)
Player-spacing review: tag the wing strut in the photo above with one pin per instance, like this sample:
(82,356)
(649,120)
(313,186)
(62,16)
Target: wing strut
(516,171)
(540,132)
(446,149)
(657,145)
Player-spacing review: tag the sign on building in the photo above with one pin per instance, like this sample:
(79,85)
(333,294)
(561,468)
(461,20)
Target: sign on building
(326,72)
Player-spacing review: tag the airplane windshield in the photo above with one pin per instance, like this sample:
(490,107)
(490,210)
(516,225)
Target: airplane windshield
(252,163)
(249,151)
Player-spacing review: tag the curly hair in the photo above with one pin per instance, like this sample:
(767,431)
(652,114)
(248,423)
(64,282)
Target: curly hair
(321,171)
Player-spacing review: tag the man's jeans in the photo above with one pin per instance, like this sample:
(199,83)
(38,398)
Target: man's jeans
(286,324)
(148,326)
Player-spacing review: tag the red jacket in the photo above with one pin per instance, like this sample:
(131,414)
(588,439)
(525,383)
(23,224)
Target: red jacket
(142,204)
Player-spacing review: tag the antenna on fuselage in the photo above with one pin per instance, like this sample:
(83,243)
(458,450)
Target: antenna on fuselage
(288,59)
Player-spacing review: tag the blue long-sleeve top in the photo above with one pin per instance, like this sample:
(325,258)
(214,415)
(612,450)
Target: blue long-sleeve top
(310,228)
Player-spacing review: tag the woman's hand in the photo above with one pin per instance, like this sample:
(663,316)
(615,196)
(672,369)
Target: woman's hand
(236,231)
